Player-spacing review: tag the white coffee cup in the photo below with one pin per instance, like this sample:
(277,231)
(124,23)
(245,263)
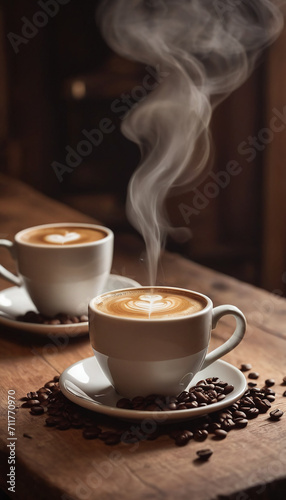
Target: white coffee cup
(62,265)
(162,351)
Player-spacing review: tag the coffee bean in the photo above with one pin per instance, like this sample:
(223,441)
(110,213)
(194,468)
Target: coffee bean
(113,439)
(203,423)
(54,411)
(276,414)
(31,402)
(124,403)
(25,435)
(105,435)
(209,387)
(139,400)
(74,319)
(175,433)
(138,407)
(245,367)
(53,322)
(182,438)
(201,382)
(197,388)
(234,407)
(212,394)
(253,375)
(32,395)
(220,434)
(270,398)
(239,414)
(44,390)
(213,426)
(192,404)
(63,414)
(224,414)
(247,401)
(228,389)
(252,413)
(37,410)
(43,397)
(240,422)
(284,394)
(30,317)
(52,421)
(182,396)
(152,407)
(227,424)
(263,405)
(50,385)
(192,397)
(269,382)
(58,319)
(201,398)
(221,383)
(268,390)
(204,454)
(189,433)
(172,406)
(204,393)
(201,435)
(255,391)
(221,397)
(63,425)
(182,406)
(284,380)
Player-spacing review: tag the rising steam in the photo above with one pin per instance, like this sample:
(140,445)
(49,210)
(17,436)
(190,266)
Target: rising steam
(202,50)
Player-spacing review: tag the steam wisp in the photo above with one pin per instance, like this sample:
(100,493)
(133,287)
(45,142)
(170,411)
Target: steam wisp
(203,50)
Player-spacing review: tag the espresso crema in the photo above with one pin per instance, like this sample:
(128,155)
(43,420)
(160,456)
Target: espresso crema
(149,304)
(62,235)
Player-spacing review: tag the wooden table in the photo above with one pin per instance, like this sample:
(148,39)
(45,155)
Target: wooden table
(250,463)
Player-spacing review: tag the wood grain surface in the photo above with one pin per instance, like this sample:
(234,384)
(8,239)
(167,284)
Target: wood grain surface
(249,463)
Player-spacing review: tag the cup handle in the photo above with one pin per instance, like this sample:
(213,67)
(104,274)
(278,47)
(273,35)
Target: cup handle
(16,280)
(236,337)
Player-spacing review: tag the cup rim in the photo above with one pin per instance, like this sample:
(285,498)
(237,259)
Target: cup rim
(203,311)
(100,227)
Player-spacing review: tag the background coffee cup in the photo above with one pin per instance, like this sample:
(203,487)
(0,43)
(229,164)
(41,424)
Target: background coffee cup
(61,275)
(160,355)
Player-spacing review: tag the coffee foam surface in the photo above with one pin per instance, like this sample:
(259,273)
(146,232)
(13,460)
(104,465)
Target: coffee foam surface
(148,305)
(62,236)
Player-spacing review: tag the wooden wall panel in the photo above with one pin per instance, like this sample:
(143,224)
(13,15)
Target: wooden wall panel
(274,237)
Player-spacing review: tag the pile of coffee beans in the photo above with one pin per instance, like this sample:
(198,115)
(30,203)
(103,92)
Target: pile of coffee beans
(204,393)
(62,414)
(58,319)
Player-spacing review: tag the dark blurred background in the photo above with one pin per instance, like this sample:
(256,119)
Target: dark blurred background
(58,79)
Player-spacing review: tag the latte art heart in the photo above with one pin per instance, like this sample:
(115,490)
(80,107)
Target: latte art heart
(61,239)
(148,305)
(63,236)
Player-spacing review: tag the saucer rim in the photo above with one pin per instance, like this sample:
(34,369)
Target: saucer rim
(72,330)
(135,415)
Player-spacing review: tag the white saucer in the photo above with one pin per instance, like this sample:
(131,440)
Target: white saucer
(85,384)
(15,301)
